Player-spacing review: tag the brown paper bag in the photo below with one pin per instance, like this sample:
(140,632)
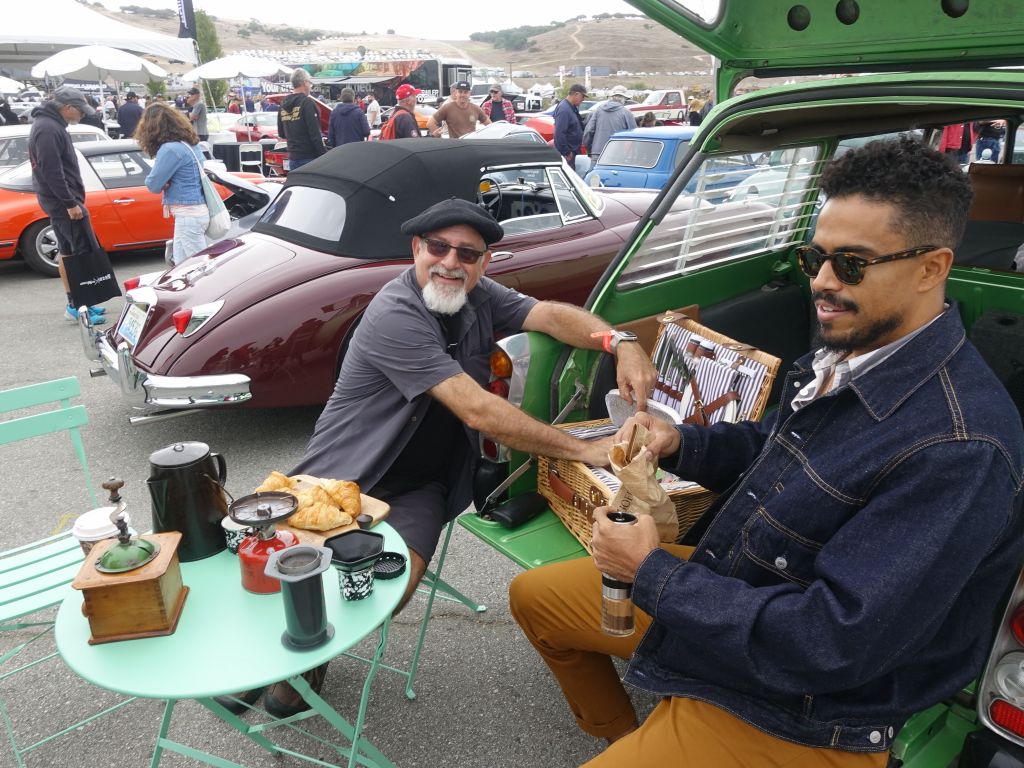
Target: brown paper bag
(641,493)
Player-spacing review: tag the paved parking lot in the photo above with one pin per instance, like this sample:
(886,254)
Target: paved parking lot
(484,698)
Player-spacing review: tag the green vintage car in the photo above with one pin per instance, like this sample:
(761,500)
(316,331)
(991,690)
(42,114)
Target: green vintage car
(930,69)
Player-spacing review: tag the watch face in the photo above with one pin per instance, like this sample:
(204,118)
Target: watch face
(627,336)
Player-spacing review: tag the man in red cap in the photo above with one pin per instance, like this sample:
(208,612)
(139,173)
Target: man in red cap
(403,118)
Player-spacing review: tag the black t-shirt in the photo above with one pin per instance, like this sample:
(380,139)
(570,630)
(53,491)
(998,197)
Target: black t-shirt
(428,453)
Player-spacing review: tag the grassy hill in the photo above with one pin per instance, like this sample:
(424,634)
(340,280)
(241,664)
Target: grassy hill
(636,45)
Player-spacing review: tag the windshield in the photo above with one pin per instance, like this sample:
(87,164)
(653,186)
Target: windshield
(653,99)
(18,178)
(13,151)
(635,153)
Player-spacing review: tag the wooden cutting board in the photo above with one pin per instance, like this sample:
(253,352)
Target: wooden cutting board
(375,508)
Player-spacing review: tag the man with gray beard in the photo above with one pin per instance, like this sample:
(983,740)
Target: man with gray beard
(411,397)
(410,400)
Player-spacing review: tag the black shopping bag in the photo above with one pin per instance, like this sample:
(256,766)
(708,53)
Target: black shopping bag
(90,277)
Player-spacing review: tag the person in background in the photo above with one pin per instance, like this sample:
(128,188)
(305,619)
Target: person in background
(694,111)
(58,185)
(372,110)
(129,114)
(460,114)
(990,135)
(167,136)
(569,124)
(498,107)
(605,119)
(348,123)
(649,121)
(791,634)
(403,115)
(197,113)
(234,105)
(250,105)
(7,116)
(298,123)
(96,118)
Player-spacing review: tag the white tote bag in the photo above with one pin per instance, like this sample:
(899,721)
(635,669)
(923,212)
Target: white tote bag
(220,219)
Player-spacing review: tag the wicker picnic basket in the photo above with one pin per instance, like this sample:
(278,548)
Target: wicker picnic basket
(573,488)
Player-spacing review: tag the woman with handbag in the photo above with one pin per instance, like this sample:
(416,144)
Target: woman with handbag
(166,135)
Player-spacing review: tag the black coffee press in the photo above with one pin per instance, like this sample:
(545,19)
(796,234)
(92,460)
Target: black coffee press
(302,589)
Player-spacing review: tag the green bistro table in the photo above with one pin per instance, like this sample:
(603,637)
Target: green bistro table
(229,640)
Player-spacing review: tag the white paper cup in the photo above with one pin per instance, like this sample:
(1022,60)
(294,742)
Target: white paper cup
(95,525)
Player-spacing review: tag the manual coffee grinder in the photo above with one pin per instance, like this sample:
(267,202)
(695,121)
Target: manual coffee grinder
(261,511)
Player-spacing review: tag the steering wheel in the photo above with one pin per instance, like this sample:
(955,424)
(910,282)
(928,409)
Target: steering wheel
(491,199)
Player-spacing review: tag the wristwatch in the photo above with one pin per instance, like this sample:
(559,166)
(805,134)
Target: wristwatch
(611,339)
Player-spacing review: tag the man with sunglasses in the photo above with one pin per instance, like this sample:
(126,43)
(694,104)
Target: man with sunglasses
(458,113)
(497,107)
(411,397)
(852,569)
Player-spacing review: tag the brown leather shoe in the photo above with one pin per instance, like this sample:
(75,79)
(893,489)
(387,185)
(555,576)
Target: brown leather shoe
(281,700)
(232,706)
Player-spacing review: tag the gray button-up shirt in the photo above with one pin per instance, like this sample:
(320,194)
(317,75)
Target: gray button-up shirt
(398,353)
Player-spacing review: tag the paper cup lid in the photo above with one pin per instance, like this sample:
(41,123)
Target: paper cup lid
(95,524)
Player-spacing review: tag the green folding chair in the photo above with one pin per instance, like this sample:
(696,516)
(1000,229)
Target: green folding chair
(36,576)
(433,586)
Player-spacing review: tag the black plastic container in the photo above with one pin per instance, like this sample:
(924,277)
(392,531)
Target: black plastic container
(302,591)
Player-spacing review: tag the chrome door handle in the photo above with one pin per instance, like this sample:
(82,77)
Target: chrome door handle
(501,256)
(124,200)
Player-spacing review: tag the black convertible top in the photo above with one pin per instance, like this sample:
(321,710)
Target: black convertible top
(387,182)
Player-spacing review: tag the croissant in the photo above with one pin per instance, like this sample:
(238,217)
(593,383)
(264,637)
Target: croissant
(319,517)
(345,494)
(276,481)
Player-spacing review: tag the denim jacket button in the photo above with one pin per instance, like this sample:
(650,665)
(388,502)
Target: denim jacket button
(874,737)
(781,563)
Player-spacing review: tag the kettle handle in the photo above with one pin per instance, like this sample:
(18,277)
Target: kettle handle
(222,467)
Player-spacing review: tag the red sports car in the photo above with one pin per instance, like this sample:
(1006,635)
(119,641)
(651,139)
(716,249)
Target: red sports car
(125,215)
(254,126)
(264,319)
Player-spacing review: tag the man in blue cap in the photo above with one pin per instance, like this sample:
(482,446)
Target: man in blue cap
(410,401)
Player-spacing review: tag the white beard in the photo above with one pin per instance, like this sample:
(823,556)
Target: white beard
(444,301)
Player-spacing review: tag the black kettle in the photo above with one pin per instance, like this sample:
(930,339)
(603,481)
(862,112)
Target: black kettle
(186,483)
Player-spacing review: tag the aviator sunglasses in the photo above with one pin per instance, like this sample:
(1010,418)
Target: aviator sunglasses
(439,249)
(849,267)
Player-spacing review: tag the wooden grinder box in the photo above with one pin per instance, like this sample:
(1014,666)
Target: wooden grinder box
(144,602)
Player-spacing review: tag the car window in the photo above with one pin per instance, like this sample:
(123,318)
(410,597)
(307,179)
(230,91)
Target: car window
(314,212)
(708,225)
(85,137)
(13,151)
(681,149)
(118,170)
(571,206)
(636,153)
(673,100)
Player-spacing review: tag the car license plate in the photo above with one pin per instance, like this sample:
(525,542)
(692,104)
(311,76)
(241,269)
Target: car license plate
(286,164)
(130,327)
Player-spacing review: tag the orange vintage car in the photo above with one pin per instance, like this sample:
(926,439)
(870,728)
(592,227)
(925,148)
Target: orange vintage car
(125,215)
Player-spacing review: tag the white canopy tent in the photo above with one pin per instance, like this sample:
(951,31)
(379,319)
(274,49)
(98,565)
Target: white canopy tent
(98,62)
(231,67)
(31,31)
(10,86)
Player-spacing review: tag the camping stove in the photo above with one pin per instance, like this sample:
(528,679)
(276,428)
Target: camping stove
(261,511)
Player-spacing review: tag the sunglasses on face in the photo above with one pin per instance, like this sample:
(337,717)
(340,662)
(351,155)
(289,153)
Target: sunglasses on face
(849,267)
(495,91)
(439,249)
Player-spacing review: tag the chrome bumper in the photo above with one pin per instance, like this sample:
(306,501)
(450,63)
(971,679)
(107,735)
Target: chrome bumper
(149,392)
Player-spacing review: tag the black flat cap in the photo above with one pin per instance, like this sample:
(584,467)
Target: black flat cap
(451,212)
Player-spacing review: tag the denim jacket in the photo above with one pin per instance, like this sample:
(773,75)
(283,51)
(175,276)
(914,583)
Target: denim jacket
(854,566)
(175,166)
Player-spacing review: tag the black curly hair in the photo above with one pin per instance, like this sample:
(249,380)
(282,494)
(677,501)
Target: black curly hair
(927,187)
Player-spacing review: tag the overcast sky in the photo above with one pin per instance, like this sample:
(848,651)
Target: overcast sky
(414,18)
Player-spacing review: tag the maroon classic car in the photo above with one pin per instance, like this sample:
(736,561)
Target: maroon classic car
(264,319)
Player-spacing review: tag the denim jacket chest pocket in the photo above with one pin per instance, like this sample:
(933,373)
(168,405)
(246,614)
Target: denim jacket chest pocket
(789,523)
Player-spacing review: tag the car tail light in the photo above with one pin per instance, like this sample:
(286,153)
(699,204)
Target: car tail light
(189,320)
(509,363)
(1000,689)
(132,282)
(1007,716)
